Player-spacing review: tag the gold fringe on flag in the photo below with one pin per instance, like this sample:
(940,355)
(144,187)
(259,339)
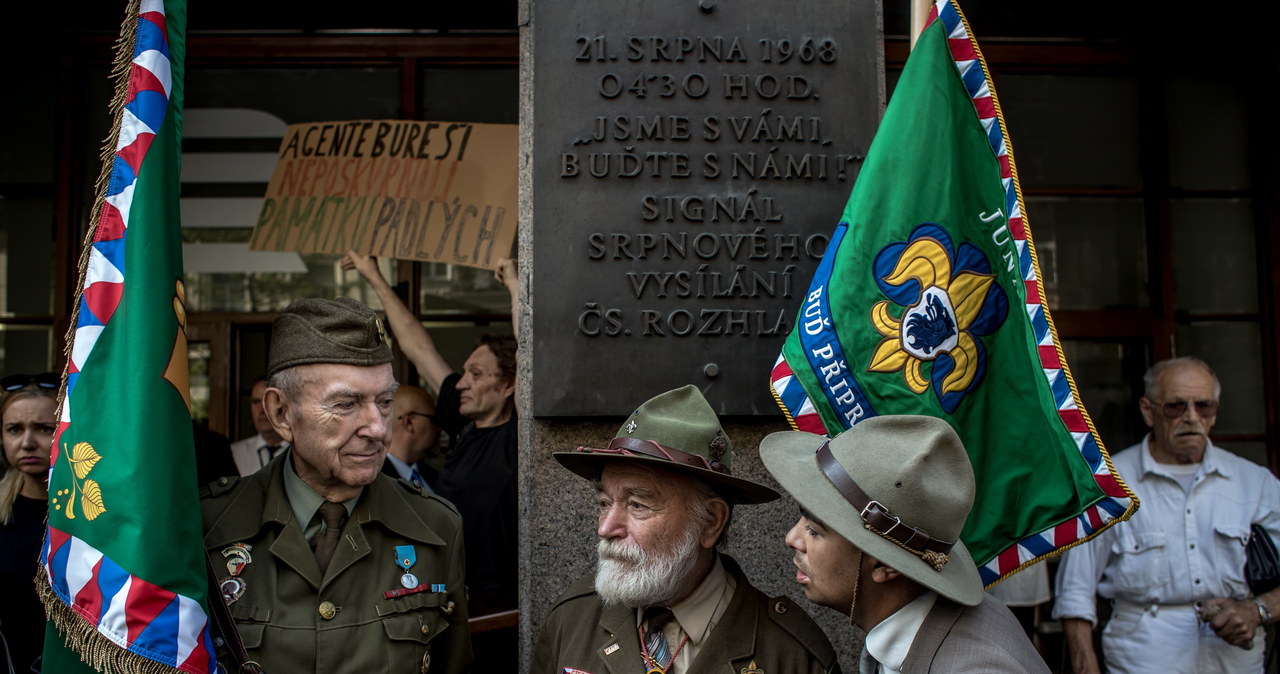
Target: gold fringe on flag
(80,635)
(95,650)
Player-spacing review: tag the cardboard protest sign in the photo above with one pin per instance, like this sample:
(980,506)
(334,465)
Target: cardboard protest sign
(415,190)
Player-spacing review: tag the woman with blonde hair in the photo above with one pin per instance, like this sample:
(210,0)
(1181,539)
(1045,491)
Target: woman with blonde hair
(27,421)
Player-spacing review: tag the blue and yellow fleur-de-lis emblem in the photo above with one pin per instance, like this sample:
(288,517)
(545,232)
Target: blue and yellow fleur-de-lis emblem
(951,299)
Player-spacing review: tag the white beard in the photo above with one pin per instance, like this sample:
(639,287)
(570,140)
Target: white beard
(629,576)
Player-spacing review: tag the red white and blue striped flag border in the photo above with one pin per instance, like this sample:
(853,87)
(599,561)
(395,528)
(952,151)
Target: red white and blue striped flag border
(138,616)
(1118,501)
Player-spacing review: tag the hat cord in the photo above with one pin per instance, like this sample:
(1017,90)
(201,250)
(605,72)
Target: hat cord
(937,560)
(857,581)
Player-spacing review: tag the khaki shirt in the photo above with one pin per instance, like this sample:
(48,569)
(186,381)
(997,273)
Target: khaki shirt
(293,620)
(756,634)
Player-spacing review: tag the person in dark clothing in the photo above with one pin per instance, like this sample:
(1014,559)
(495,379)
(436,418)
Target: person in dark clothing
(480,475)
(213,454)
(27,422)
(477,409)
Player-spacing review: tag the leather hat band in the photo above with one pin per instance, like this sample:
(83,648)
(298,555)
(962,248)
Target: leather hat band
(633,446)
(878,518)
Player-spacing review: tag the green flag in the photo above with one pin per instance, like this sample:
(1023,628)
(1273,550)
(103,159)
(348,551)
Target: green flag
(124,572)
(928,302)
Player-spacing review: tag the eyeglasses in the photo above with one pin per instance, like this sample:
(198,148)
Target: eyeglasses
(14,382)
(1174,409)
(432,417)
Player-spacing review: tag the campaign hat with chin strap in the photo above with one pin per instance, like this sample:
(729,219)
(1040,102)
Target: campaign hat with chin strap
(897,487)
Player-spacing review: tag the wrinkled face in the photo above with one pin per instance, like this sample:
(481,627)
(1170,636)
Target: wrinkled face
(261,423)
(339,425)
(28,425)
(482,390)
(649,540)
(825,563)
(1181,438)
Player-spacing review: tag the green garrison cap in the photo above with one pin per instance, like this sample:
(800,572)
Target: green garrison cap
(316,330)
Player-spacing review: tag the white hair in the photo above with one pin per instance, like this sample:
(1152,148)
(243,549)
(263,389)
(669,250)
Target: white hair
(1151,380)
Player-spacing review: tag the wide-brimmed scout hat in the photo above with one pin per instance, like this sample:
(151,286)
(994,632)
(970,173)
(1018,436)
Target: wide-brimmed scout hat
(897,487)
(317,330)
(678,431)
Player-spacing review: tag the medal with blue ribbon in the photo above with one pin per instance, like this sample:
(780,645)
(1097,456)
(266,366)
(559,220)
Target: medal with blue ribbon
(406,557)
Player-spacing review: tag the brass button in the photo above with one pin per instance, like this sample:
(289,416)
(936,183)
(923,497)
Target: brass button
(328,610)
(780,607)
(426,629)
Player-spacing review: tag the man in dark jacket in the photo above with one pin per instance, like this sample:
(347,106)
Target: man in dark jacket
(662,598)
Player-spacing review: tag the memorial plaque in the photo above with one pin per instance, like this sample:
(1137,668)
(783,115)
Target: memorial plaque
(690,160)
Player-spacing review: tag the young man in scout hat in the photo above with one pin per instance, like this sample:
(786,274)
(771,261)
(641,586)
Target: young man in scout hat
(329,564)
(882,506)
(662,598)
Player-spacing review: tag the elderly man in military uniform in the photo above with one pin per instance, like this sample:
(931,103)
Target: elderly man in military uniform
(662,598)
(326,563)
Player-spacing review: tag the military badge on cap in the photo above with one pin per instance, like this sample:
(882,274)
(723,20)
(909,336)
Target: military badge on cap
(677,431)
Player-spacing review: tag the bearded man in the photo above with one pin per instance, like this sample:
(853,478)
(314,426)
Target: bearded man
(662,598)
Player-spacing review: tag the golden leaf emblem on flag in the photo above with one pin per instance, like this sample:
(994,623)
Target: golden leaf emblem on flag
(83,457)
(91,500)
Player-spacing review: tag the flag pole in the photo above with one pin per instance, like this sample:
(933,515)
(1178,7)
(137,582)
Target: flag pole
(919,15)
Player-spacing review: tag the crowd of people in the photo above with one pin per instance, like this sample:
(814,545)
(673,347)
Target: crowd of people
(352,538)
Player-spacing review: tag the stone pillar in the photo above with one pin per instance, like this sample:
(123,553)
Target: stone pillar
(682,163)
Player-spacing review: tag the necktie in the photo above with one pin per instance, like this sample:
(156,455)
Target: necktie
(265,453)
(327,540)
(657,651)
(416,478)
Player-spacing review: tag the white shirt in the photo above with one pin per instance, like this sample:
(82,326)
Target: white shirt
(247,456)
(1182,546)
(890,641)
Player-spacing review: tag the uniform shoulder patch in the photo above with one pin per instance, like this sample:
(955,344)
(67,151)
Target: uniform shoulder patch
(411,487)
(795,621)
(435,498)
(583,587)
(219,486)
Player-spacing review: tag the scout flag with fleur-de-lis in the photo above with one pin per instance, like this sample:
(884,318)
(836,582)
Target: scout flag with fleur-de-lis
(928,302)
(124,577)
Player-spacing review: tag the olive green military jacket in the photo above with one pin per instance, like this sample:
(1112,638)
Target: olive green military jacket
(293,620)
(756,635)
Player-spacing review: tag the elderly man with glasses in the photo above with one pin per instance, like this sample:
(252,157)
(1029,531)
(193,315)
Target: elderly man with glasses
(1174,573)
